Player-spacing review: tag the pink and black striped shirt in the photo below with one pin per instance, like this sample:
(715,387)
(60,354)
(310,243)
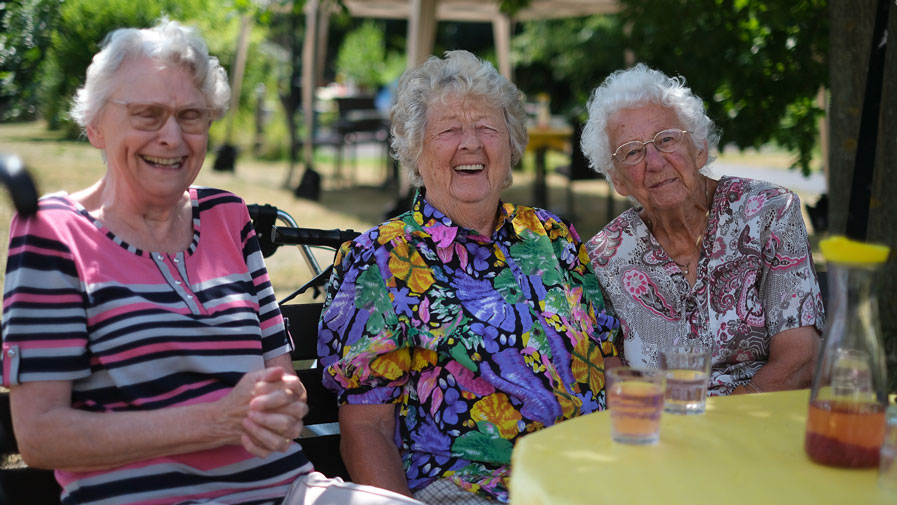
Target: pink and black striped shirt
(138,330)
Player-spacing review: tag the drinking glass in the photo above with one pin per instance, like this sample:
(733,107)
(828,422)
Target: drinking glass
(635,400)
(687,370)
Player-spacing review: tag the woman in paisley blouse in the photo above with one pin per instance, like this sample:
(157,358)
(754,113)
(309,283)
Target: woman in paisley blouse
(466,322)
(725,263)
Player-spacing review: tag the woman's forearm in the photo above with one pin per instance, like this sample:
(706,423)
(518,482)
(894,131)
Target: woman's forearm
(792,360)
(51,434)
(773,377)
(367,447)
(63,438)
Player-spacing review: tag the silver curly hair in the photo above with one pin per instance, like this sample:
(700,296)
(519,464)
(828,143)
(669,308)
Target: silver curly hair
(636,87)
(460,73)
(168,42)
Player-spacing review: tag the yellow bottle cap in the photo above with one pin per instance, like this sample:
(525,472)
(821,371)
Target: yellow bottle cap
(839,249)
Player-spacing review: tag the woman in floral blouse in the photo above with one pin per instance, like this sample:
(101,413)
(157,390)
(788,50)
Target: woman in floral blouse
(724,263)
(453,329)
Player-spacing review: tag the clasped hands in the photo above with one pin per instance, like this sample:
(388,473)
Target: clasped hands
(270,405)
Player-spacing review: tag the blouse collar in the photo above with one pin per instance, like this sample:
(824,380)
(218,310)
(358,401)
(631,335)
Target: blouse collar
(436,223)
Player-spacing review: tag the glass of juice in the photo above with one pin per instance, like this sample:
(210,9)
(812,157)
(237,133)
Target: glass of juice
(635,400)
(687,369)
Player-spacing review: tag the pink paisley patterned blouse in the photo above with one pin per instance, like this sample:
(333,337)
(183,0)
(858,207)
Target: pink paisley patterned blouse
(755,278)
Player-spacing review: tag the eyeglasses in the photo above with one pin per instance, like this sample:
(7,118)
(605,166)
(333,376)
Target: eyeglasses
(150,117)
(665,141)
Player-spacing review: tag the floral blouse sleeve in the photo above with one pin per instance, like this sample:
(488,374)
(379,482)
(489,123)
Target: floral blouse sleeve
(359,333)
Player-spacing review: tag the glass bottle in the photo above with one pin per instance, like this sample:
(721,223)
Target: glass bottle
(846,418)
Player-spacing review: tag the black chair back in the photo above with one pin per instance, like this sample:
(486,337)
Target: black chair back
(321,440)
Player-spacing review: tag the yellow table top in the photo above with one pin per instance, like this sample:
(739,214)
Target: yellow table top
(746,449)
(549,137)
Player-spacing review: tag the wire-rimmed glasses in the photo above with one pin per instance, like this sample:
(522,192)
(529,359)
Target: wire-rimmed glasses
(151,117)
(665,141)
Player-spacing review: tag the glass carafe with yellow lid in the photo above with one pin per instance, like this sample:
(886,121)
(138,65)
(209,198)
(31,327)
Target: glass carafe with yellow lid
(846,418)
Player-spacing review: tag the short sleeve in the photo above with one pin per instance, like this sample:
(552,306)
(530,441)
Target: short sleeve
(275,339)
(44,318)
(789,289)
(361,344)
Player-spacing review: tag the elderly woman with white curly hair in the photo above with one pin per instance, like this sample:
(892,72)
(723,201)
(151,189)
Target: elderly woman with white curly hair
(724,263)
(145,354)
(454,329)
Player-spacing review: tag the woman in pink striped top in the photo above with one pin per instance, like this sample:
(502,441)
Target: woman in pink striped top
(144,350)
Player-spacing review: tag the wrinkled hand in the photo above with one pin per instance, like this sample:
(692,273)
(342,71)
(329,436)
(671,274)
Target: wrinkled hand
(275,413)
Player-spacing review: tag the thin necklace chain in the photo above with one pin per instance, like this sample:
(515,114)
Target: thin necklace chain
(686,267)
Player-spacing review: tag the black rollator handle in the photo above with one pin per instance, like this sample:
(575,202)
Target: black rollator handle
(311,236)
(19,183)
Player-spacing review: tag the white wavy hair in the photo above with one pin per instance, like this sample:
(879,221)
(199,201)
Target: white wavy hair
(169,43)
(636,87)
(462,74)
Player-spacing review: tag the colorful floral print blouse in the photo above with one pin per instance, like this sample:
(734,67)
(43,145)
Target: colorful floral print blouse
(755,278)
(478,340)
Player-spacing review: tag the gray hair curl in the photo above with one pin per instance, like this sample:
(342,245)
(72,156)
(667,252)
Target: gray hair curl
(459,73)
(168,42)
(636,87)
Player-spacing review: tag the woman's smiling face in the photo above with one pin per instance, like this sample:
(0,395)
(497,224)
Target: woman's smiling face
(157,164)
(466,154)
(661,181)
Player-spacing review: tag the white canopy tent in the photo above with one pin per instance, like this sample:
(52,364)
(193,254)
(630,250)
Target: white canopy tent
(422,16)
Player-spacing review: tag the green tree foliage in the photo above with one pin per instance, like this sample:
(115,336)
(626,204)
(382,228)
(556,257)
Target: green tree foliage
(24,39)
(46,46)
(567,58)
(363,58)
(510,7)
(79,29)
(476,37)
(757,63)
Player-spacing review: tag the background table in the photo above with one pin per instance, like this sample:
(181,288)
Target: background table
(746,449)
(541,139)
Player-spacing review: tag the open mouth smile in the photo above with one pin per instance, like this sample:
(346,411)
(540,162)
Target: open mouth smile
(470,168)
(164,162)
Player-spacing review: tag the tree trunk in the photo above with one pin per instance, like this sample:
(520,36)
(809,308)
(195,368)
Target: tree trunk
(293,96)
(852,23)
